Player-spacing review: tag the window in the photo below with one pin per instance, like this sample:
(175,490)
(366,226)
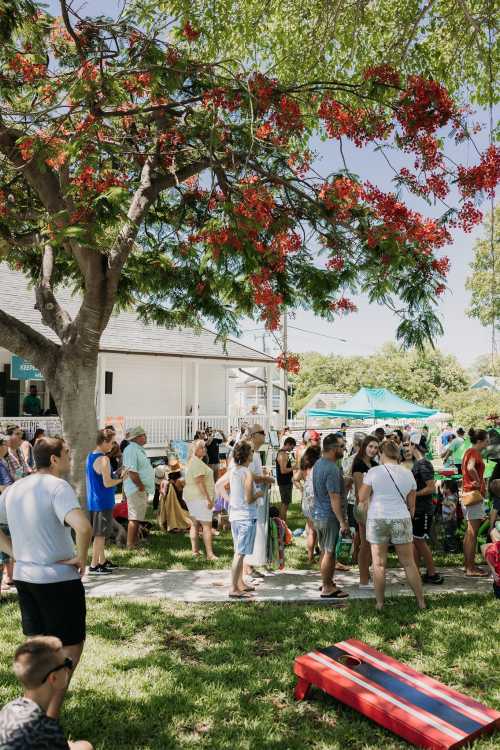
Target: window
(108,383)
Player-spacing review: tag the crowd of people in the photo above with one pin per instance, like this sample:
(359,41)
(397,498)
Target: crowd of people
(380,496)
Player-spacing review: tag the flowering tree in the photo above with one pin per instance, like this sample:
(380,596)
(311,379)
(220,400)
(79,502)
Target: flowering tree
(141,175)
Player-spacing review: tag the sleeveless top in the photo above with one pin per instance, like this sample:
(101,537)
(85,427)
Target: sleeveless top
(283,479)
(239,509)
(99,497)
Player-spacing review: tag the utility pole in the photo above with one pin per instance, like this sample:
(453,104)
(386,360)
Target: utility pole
(284,337)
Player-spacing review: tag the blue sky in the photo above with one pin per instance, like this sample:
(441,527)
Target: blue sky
(373,325)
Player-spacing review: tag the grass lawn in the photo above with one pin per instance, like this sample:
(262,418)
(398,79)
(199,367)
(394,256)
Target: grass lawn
(163,675)
(173,551)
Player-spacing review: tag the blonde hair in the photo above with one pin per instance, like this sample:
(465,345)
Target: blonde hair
(194,447)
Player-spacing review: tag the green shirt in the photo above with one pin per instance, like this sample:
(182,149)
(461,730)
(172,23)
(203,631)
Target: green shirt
(32,405)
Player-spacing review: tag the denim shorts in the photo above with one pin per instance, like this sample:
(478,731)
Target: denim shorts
(243,532)
(389,531)
(328,533)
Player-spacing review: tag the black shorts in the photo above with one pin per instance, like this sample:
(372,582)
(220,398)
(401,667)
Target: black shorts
(53,609)
(422,525)
(286,492)
(353,524)
(102,522)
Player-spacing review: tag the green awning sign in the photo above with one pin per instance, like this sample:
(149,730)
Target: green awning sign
(20,369)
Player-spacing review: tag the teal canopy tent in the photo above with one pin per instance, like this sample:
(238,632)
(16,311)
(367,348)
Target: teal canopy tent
(375,403)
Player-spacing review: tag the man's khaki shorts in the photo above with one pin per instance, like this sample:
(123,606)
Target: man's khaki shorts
(137,505)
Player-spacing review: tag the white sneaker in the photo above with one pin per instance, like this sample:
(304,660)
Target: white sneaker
(366,585)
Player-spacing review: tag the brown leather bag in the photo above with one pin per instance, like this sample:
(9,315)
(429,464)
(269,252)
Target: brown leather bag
(472,498)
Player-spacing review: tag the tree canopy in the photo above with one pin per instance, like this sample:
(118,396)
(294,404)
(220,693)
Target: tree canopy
(419,376)
(471,408)
(484,281)
(298,40)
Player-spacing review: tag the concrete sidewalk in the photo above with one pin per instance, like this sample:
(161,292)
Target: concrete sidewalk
(286,586)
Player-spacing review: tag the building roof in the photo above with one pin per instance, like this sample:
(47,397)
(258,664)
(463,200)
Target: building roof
(125,332)
(324,400)
(487,381)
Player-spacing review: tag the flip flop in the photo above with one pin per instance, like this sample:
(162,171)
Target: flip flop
(476,574)
(249,588)
(342,567)
(339,594)
(240,595)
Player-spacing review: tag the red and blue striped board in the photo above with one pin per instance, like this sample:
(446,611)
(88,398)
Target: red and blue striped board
(421,710)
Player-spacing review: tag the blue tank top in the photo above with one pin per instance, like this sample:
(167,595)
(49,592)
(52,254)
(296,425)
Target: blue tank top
(99,497)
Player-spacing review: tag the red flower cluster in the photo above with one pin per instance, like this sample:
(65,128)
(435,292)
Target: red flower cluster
(441,266)
(287,115)
(424,106)
(336,264)
(220,239)
(87,181)
(484,176)
(219,98)
(88,71)
(265,297)
(359,125)
(382,74)
(27,148)
(341,196)
(262,90)
(403,224)
(257,206)
(343,305)
(189,32)
(288,362)
(286,243)
(467,217)
(3,203)
(29,71)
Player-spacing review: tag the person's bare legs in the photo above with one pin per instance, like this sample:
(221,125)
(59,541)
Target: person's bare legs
(364,556)
(470,544)
(132,534)
(327,569)
(311,540)
(423,552)
(283,511)
(207,539)
(407,559)
(193,535)
(237,583)
(379,556)
(74,653)
(98,555)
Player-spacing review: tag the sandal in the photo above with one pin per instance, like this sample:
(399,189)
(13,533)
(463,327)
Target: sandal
(338,594)
(240,595)
(476,574)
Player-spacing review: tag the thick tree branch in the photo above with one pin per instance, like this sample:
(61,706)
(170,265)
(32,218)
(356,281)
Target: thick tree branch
(53,315)
(19,338)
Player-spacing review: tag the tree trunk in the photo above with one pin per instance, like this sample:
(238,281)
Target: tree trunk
(73,388)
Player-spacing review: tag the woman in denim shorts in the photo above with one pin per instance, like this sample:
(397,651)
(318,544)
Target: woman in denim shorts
(389,492)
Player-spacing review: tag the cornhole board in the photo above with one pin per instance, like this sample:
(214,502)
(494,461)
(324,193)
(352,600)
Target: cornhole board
(416,707)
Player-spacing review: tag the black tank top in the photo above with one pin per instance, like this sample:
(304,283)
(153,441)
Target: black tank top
(283,479)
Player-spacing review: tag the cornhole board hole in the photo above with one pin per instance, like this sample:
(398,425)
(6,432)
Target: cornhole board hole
(412,705)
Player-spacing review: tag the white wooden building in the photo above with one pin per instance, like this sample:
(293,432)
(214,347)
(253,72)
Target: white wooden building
(172,381)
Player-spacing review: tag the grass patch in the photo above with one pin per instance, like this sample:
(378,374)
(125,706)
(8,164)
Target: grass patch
(164,675)
(173,551)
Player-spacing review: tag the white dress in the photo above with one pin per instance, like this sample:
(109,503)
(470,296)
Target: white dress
(259,556)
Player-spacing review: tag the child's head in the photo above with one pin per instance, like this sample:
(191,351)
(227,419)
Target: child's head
(41,662)
(495,487)
(449,487)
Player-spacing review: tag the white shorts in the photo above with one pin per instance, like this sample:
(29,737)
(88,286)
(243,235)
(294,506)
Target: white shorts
(199,510)
(137,505)
(474,512)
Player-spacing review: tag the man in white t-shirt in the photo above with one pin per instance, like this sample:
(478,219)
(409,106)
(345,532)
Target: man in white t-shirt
(40,511)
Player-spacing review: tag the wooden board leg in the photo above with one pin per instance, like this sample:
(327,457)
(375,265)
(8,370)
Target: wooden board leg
(301,689)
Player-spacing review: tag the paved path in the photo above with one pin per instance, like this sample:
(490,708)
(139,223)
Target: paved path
(286,586)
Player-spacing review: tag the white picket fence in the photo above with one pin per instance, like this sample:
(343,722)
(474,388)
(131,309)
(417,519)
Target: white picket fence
(158,429)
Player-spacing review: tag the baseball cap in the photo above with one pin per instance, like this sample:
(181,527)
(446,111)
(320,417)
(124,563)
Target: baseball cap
(314,435)
(135,432)
(255,429)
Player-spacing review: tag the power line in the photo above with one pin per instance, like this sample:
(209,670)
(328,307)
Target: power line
(302,330)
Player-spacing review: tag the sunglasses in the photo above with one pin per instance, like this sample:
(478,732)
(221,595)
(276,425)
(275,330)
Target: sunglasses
(67,664)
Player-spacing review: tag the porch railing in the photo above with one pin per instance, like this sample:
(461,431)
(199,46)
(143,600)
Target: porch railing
(158,429)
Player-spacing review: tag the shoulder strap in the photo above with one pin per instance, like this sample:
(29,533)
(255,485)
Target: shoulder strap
(394,483)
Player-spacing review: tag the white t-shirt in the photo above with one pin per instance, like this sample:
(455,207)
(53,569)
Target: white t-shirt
(34,509)
(386,502)
(239,509)
(255,465)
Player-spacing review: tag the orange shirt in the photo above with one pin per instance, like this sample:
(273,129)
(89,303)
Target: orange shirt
(468,481)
